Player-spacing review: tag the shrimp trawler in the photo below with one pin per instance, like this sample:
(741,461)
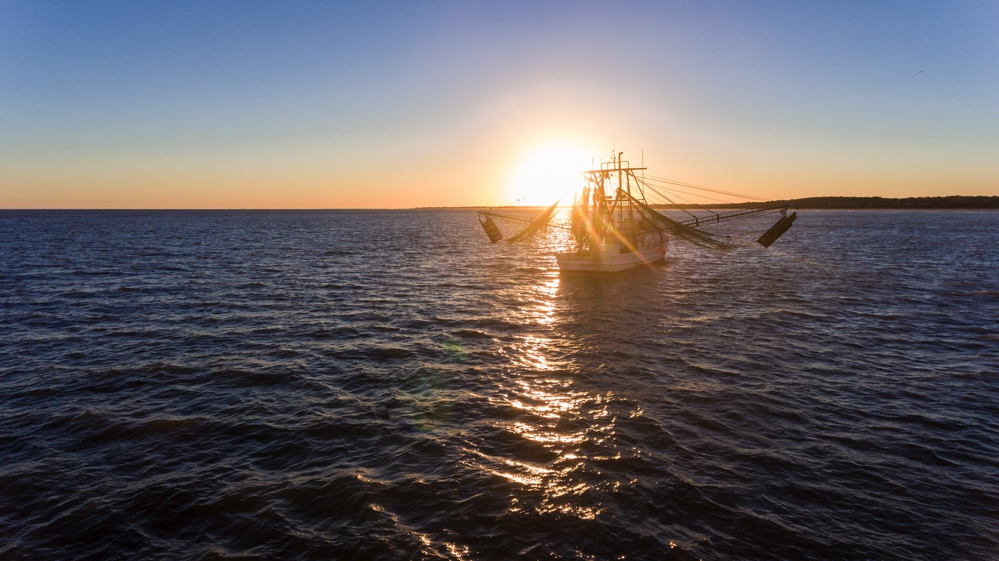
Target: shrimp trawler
(614,226)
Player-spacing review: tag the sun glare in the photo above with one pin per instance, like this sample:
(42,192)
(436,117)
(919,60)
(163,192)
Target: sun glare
(549,174)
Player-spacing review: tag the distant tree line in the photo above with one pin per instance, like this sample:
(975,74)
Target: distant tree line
(910,203)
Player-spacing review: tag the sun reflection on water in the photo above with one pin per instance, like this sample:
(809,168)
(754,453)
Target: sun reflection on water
(544,310)
(532,354)
(552,430)
(549,489)
(560,431)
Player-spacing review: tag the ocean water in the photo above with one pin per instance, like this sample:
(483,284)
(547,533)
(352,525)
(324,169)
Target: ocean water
(389,385)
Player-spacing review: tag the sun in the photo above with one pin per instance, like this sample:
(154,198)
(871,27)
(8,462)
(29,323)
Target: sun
(548,174)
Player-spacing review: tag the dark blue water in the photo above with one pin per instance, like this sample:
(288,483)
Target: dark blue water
(388,385)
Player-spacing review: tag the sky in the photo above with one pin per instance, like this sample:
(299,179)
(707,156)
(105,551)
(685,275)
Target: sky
(434,103)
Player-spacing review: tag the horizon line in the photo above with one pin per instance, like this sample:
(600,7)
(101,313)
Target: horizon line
(696,206)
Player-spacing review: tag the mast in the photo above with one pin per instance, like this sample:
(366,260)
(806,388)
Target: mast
(603,206)
(631,207)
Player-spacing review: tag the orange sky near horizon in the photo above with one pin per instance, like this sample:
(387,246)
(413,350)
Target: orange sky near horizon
(485,179)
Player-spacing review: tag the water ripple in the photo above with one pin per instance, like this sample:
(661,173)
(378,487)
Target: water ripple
(384,385)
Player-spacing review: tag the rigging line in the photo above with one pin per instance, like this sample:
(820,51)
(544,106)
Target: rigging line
(684,199)
(745,233)
(700,187)
(658,195)
(657,198)
(701,196)
(520,219)
(662,196)
(504,216)
(681,230)
(675,191)
(654,190)
(539,222)
(748,216)
(710,190)
(669,202)
(740,214)
(692,186)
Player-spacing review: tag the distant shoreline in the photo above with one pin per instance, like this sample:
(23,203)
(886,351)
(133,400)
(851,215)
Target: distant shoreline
(953,202)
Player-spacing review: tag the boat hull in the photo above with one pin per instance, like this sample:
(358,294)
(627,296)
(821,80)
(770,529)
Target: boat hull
(608,260)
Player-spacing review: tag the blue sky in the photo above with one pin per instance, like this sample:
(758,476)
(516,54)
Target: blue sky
(397,104)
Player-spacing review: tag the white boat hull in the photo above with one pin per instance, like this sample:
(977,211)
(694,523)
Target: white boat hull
(609,259)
